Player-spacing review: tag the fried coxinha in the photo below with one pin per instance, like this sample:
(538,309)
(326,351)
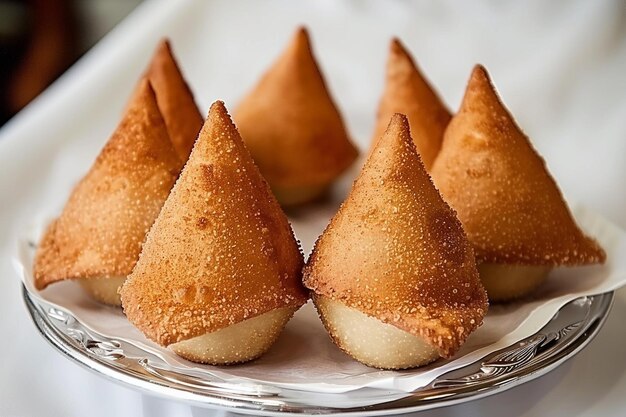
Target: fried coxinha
(97,238)
(220,272)
(408,92)
(293,128)
(509,204)
(393,276)
(174,98)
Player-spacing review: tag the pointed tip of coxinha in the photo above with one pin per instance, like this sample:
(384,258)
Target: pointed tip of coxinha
(220,252)
(143,111)
(397,50)
(481,95)
(145,99)
(400,59)
(219,137)
(480,75)
(395,45)
(301,38)
(100,231)
(298,54)
(483,109)
(398,130)
(219,107)
(293,128)
(397,137)
(407,91)
(396,251)
(480,85)
(164,46)
(219,117)
(175,98)
(509,204)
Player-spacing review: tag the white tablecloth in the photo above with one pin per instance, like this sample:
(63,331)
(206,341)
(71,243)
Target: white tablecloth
(560,67)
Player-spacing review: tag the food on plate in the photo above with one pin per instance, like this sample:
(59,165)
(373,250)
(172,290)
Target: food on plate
(293,129)
(393,275)
(408,92)
(175,99)
(510,206)
(97,238)
(220,272)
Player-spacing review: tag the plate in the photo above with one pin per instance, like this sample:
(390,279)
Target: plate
(569,331)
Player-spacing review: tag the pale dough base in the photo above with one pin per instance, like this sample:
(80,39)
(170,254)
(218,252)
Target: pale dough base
(240,342)
(371,341)
(103,290)
(508,282)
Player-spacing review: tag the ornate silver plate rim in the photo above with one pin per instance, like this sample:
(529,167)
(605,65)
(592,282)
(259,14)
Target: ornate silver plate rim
(568,332)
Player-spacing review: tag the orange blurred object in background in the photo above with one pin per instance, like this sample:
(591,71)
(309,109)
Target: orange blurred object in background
(40,39)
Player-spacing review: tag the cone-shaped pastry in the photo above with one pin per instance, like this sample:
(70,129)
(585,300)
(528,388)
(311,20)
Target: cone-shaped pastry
(393,274)
(409,93)
(98,237)
(219,274)
(293,129)
(175,99)
(510,207)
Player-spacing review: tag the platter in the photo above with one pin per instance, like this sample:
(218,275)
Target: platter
(569,331)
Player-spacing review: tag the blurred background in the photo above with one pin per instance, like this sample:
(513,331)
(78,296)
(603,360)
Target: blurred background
(40,39)
(560,66)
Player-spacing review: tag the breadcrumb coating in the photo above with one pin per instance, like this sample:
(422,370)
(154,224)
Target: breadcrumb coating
(408,92)
(291,125)
(220,252)
(100,232)
(396,251)
(175,99)
(510,206)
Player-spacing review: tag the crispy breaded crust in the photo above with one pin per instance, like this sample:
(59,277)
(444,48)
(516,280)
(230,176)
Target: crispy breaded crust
(220,252)
(175,99)
(510,206)
(105,220)
(291,125)
(408,92)
(396,251)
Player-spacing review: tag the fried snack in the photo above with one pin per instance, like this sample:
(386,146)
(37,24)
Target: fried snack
(98,237)
(293,129)
(393,274)
(409,93)
(175,99)
(220,272)
(510,206)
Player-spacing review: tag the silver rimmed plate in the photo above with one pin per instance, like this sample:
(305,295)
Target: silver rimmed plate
(570,330)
